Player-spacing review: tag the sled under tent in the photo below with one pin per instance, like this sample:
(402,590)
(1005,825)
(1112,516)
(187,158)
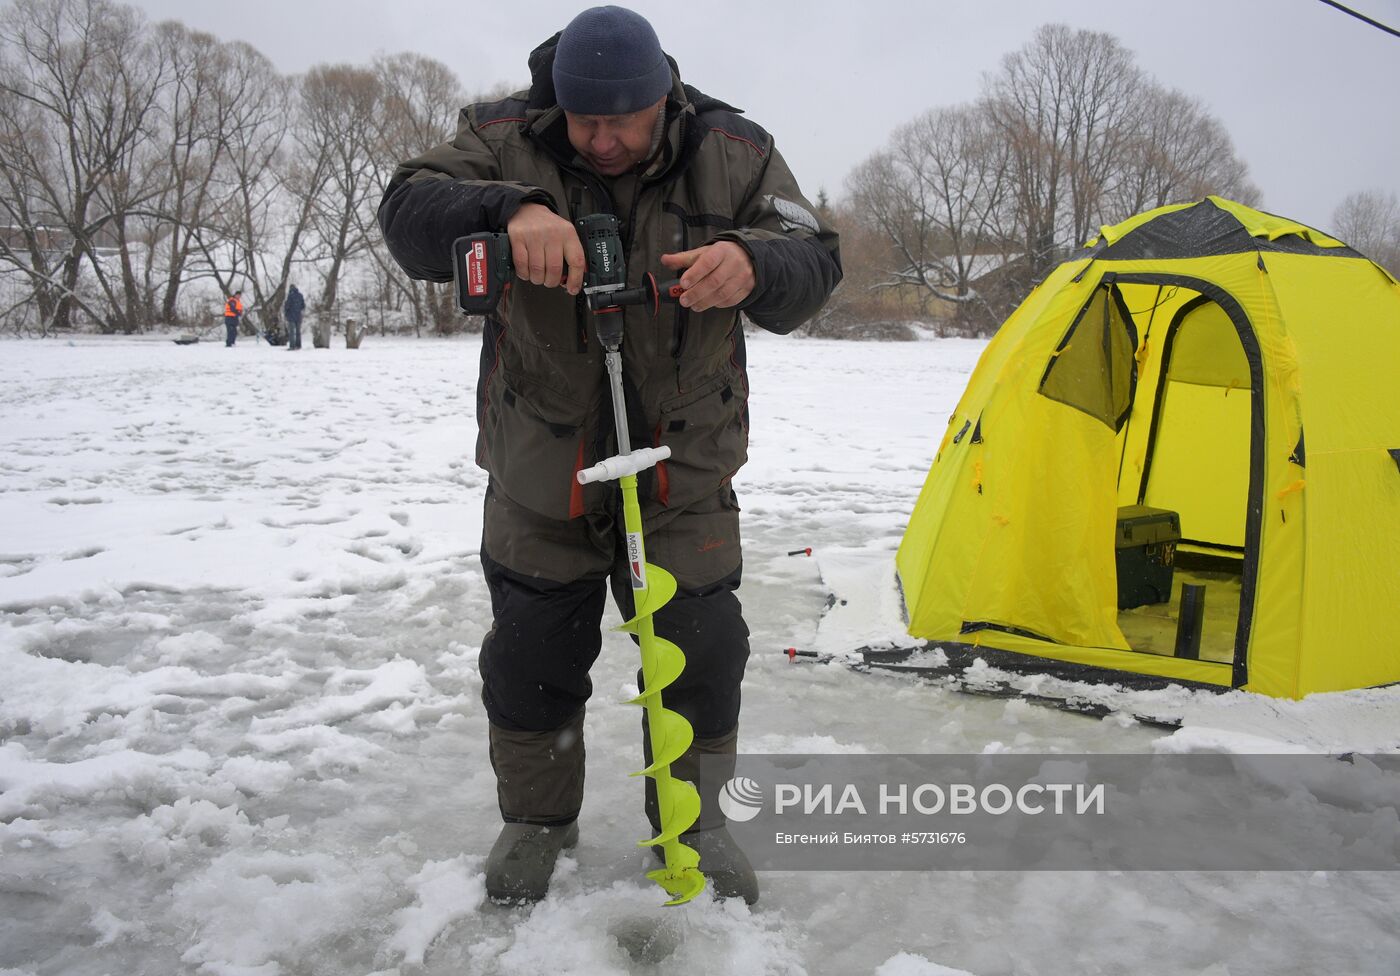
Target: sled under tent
(1202,403)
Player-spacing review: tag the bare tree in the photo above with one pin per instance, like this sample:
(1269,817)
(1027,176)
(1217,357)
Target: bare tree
(1064,104)
(1176,153)
(339,104)
(28,249)
(419,98)
(266,186)
(1370,222)
(133,83)
(75,77)
(939,195)
(202,85)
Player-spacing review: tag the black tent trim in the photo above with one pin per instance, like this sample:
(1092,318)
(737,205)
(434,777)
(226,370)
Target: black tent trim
(1203,230)
(976,626)
(962,656)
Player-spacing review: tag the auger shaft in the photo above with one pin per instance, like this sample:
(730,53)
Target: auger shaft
(669,733)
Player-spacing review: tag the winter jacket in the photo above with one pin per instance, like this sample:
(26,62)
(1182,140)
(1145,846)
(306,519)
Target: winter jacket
(543,407)
(233,308)
(293,306)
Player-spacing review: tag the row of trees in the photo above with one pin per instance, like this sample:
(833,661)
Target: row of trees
(1370,222)
(1067,136)
(145,167)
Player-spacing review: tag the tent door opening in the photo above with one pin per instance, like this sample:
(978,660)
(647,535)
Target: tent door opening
(1196,402)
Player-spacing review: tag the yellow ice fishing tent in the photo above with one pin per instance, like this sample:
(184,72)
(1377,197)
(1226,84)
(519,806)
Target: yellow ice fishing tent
(1235,370)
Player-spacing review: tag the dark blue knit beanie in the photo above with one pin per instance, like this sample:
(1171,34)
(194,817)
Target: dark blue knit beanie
(609,62)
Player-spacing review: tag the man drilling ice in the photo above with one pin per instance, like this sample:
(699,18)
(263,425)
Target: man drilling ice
(699,194)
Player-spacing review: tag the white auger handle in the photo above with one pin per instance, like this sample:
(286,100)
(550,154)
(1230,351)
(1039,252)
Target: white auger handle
(610,469)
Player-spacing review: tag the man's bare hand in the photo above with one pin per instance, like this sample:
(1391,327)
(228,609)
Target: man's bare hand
(545,247)
(718,275)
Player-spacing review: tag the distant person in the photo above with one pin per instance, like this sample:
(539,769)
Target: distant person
(233,317)
(291,311)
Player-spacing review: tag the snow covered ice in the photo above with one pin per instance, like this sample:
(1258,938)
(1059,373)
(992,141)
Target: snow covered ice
(240,733)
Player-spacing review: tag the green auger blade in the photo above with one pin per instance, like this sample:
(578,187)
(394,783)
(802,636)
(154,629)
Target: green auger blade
(661,586)
(684,885)
(682,856)
(681,877)
(671,736)
(678,803)
(663,666)
(679,806)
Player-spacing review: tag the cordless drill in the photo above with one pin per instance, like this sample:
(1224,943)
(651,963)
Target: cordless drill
(482,269)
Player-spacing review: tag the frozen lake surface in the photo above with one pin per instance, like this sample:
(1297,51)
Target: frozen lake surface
(240,732)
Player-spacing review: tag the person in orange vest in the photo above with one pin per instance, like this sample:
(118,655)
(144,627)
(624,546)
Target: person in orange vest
(233,315)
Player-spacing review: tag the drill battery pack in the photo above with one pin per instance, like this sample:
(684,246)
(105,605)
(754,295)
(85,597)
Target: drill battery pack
(481,267)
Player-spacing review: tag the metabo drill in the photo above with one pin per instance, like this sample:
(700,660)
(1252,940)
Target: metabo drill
(482,270)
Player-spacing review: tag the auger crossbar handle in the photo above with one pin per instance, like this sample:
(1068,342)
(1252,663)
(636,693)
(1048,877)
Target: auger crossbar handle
(613,468)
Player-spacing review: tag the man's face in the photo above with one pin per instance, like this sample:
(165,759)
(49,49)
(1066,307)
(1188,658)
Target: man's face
(613,144)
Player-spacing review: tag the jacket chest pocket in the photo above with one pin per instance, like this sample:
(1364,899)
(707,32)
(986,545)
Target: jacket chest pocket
(547,318)
(535,440)
(692,226)
(706,429)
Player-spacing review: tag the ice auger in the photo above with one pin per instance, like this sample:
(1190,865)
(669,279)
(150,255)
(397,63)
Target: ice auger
(678,802)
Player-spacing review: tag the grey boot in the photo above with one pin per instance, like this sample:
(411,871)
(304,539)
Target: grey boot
(724,863)
(522,860)
(539,785)
(721,859)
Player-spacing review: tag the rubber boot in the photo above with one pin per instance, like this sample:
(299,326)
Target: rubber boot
(722,861)
(522,861)
(539,785)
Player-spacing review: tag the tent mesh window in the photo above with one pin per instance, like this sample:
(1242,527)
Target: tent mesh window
(1093,369)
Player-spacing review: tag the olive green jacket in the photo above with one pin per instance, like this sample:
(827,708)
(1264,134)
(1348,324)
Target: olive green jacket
(542,401)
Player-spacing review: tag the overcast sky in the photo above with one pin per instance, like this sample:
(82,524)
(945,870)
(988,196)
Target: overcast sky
(1310,95)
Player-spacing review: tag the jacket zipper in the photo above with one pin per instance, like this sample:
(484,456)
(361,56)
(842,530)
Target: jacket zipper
(682,319)
(580,306)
